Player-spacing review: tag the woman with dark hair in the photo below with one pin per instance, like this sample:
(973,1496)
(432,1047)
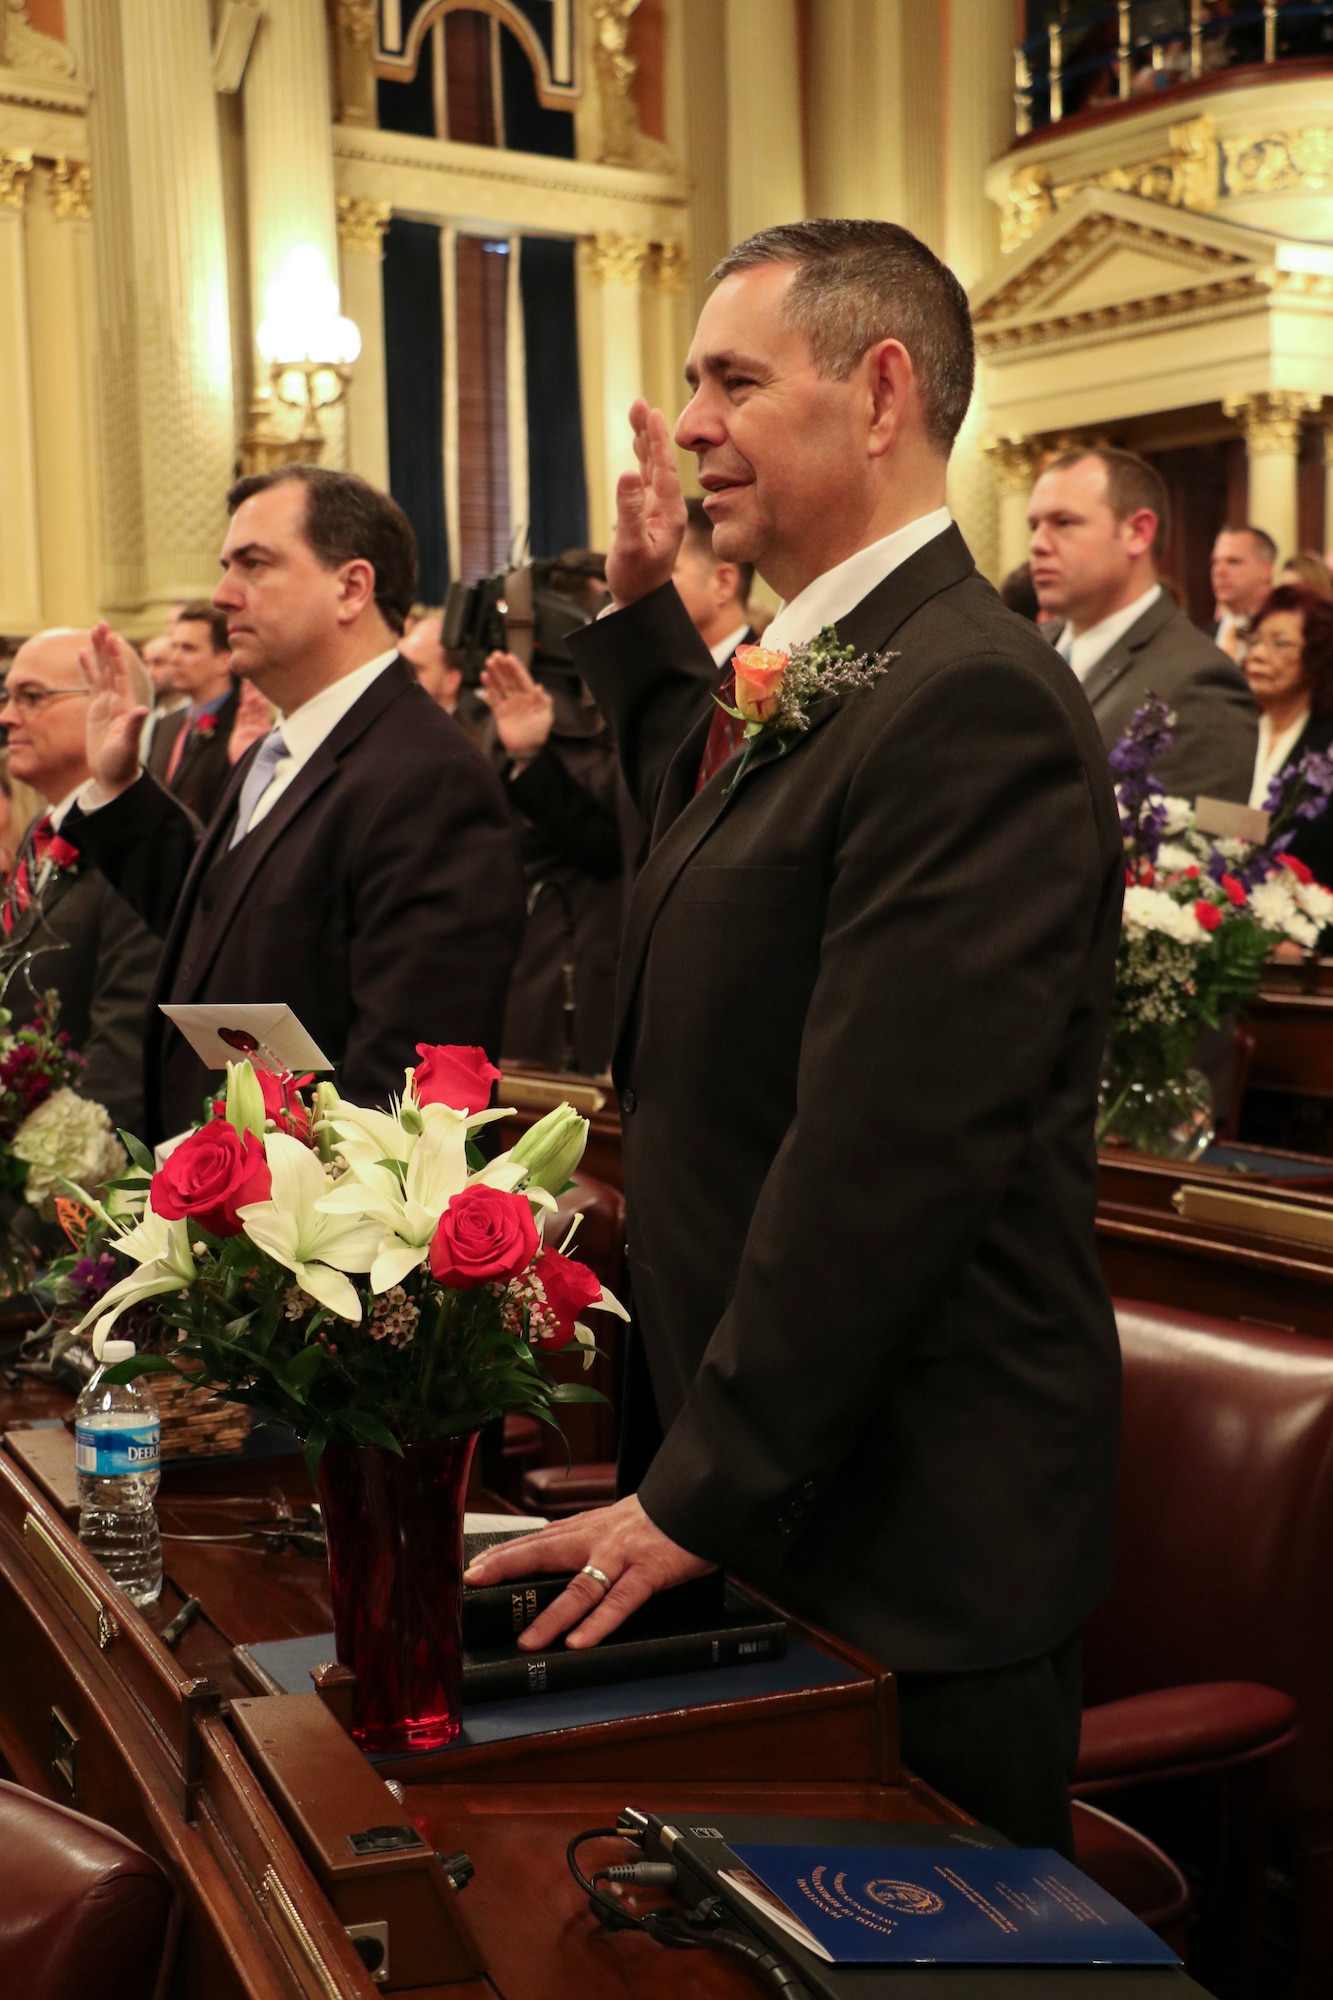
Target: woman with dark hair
(1289,665)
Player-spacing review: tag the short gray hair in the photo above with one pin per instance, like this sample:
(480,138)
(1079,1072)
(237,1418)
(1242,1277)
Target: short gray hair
(861,282)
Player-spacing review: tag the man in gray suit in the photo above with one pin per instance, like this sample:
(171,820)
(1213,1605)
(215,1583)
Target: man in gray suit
(1099,521)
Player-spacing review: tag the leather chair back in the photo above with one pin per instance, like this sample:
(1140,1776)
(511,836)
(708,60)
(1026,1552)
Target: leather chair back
(1224,1536)
(82,1910)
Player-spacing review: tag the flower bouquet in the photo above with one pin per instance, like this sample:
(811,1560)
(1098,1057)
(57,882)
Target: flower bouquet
(1201,920)
(369,1278)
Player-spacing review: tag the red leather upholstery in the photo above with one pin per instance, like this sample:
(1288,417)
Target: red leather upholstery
(1180,1732)
(557,1490)
(1224,1558)
(82,1910)
(1129,1867)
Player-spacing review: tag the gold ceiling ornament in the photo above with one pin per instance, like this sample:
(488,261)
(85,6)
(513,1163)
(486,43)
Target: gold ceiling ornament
(362,223)
(23,47)
(1272,162)
(670,266)
(617,260)
(615,69)
(1272,418)
(354,23)
(1188,175)
(1016,461)
(15,171)
(70,189)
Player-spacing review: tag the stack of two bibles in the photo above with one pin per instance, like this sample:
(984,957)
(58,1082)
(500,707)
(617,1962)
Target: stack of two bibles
(704,1624)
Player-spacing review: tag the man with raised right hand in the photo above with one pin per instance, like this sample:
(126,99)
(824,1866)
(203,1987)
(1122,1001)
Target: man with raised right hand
(864,990)
(361,865)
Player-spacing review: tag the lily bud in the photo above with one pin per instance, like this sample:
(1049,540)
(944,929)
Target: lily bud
(245,1101)
(325,1107)
(552,1148)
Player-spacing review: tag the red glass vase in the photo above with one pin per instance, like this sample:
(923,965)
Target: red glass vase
(395,1534)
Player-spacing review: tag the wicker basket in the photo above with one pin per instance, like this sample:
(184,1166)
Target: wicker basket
(196,1423)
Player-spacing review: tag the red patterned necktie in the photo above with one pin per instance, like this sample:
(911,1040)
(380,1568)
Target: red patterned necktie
(725,736)
(18,889)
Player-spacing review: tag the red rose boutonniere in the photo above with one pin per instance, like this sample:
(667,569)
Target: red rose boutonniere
(205,725)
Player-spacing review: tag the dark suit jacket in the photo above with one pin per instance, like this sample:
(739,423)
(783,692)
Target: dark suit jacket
(863,998)
(1313,843)
(204,771)
(1217,723)
(380,898)
(101,959)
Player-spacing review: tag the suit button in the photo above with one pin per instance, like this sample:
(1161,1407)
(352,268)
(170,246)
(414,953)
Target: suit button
(629,1103)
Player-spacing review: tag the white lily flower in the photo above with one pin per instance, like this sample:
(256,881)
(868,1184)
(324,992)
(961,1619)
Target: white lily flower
(317,1247)
(161,1249)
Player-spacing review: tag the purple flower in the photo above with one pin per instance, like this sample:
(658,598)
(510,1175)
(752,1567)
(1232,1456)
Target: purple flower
(1142,805)
(1146,741)
(94,1275)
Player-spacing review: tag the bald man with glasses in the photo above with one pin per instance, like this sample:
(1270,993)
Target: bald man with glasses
(62,925)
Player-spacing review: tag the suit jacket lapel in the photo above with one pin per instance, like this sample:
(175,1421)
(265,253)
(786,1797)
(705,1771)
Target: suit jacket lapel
(1116,663)
(868,626)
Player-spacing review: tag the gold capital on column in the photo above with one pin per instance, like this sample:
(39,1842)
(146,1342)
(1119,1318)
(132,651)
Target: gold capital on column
(362,223)
(71,190)
(15,169)
(671,267)
(617,260)
(1271,418)
(1016,461)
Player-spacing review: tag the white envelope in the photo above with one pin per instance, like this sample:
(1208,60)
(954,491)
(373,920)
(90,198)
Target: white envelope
(269,1034)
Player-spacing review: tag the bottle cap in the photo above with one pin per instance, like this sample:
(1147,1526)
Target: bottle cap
(116,1350)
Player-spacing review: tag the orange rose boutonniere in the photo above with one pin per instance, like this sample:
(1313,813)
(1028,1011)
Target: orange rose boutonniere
(774,691)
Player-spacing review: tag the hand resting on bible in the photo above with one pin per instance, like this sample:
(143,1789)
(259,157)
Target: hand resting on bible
(634,1556)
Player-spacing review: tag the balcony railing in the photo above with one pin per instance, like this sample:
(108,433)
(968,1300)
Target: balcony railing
(1091,56)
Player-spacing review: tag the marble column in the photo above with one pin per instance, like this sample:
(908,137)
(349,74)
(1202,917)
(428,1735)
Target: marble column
(62,309)
(361,227)
(1271,420)
(665,342)
(611,365)
(1016,462)
(20,578)
(164,343)
(765,179)
(875,112)
(289,164)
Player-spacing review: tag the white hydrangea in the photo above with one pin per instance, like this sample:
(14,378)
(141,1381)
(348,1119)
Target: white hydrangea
(1179,815)
(69,1138)
(1153,910)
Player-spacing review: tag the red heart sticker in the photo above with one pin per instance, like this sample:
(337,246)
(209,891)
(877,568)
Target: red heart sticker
(238,1038)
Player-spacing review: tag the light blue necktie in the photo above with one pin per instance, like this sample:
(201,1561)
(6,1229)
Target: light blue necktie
(257,781)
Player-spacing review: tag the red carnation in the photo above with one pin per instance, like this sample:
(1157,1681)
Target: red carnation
(282,1102)
(570,1289)
(1235,890)
(484,1236)
(1209,915)
(210,1176)
(452,1074)
(1298,868)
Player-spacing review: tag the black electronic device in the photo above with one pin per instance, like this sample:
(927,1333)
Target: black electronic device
(523,611)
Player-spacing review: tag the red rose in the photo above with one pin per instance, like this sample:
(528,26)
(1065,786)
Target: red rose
(211,1175)
(570,1289)
(61,853)
(483,1235)
(206,724)
(1234,889)
(451,1074)
(1209,915)
(282,1102)
(1298,868)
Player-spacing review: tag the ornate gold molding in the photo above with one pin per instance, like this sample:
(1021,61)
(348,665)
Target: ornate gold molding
(1276,161)
(670,267)
(1088,240)
(1271,418)
(70,190)
(353,52)
(15,172)
(22,47)
(617,260)
(1016,462)
(362,223)
(615,69)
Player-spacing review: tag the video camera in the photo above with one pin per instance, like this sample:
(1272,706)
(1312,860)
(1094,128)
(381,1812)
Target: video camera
(523,611)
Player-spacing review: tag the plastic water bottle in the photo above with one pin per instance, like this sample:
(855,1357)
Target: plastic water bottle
(116,1440)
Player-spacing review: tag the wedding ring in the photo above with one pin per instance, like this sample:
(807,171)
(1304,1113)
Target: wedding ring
(598,1576)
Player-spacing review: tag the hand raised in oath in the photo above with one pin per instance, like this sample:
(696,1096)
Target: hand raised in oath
(634,1556)
(650,512)
(115,714)
(524,712)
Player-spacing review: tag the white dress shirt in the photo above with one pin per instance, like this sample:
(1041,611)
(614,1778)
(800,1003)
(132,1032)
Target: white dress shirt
(1232,631)
(835,593)
(1093,645)
(724,648)
(307,726)
(1273,753)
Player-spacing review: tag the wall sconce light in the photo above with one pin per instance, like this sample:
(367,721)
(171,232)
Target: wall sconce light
(309,347)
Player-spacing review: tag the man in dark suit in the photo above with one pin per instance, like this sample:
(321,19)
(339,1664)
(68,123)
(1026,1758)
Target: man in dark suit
(189,750)
(1241,572)
(865,986)
(65,929)
(361,865)
(1100,520)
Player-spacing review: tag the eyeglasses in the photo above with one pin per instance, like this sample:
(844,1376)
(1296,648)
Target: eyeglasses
(30,700)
